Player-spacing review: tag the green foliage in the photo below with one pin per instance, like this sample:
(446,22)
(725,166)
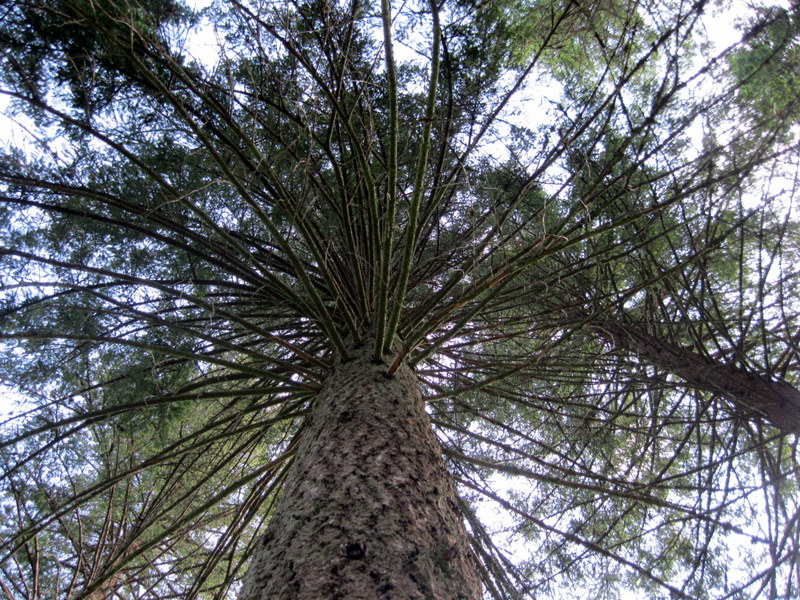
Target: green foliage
(766,69)
(563,215)
(96,41)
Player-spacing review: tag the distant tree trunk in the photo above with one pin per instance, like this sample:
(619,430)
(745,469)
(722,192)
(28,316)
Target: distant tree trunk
(777,401)
(368,510)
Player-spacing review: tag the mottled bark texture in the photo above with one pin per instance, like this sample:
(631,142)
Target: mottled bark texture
(368,510)
(777,401)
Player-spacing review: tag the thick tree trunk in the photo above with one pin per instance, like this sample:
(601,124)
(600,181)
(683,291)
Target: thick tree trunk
(777,401)
(368,510)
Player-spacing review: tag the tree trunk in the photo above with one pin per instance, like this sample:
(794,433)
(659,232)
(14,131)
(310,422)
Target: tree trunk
(777,401)
(368,510)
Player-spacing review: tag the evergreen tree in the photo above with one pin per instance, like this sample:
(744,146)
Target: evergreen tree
(399,300)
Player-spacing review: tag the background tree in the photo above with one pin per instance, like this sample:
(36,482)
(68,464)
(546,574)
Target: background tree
(572,220)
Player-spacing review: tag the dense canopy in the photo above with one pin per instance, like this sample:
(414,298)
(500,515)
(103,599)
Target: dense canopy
(574,219)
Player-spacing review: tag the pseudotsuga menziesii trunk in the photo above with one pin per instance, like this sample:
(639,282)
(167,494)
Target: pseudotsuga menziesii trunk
(368,510)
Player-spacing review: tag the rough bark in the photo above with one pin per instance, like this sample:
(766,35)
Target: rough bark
(777,401)
(368,510)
